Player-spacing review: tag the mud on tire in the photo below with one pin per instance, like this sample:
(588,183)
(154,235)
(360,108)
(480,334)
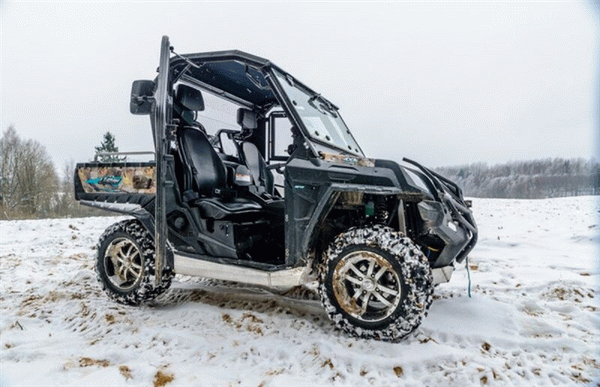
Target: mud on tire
(125,264)
(375,283)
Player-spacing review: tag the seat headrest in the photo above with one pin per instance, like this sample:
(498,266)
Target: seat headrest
(189,98)
(246,119)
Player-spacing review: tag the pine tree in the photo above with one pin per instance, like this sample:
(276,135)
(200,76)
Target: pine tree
(108,145)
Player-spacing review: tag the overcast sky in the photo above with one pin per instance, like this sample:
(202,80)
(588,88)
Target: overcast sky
(444,83)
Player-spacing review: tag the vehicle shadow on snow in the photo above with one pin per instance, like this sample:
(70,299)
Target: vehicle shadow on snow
(299,302)
(304,303)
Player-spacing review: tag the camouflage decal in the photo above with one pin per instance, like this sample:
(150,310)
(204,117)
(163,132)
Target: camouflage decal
(118,179)
(349,160)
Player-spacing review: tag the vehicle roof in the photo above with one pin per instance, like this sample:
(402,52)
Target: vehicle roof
(233,72)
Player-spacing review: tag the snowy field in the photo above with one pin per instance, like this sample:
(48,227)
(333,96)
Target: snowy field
(533,319)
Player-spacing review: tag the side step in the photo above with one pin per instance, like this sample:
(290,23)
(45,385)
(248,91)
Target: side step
(283,279)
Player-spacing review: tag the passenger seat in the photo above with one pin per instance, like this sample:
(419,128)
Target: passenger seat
(250,155)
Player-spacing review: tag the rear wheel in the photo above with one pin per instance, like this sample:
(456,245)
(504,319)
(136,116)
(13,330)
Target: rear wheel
(125,264)
(376,283)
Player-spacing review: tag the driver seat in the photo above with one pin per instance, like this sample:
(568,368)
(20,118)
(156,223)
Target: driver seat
(208,178)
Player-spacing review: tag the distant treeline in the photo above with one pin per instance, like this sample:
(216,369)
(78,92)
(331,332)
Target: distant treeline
(549,178)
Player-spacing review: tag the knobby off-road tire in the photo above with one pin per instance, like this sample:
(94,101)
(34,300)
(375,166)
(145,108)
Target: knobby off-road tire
(125,264)
(375,283)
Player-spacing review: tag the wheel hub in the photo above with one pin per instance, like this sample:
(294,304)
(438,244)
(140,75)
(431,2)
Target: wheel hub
(124,261)
(367,286)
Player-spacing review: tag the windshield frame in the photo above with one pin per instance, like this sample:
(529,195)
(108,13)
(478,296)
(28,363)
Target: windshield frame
(329,110)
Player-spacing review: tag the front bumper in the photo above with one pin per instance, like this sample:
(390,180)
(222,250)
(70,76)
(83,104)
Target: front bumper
(449,217)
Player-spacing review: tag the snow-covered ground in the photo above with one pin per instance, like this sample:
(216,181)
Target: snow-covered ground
(533,320)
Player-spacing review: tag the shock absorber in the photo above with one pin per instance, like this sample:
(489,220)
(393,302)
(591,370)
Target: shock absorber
(381,210)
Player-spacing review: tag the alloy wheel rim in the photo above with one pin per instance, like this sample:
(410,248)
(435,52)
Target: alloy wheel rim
(367,286)
(123,263)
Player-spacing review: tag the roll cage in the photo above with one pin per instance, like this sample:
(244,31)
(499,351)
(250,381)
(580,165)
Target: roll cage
(249,81)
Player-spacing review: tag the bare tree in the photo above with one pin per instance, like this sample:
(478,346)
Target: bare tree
(66,204)
(9,154)
(28,181)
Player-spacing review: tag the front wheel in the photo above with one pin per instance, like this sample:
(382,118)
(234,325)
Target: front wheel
(125,264)
(376,283)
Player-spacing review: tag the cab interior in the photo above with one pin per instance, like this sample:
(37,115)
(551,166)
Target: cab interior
(229,174)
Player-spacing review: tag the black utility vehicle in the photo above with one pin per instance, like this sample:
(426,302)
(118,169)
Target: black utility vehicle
(280,197)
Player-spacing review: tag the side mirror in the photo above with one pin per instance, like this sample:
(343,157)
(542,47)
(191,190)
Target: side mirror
(142,93)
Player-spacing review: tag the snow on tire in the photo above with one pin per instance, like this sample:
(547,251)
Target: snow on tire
(125,264)
(375,283)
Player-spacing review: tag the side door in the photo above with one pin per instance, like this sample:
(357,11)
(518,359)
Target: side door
(159,126)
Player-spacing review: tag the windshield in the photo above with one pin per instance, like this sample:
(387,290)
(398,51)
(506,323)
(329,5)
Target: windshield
(320,118)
